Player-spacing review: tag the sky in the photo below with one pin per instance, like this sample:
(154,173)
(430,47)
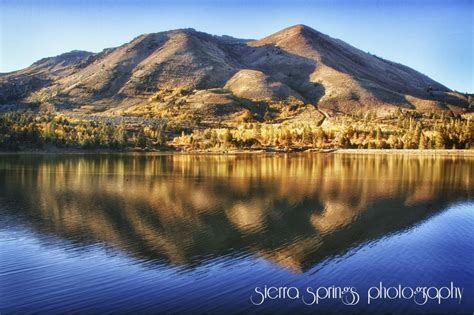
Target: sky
(433,37)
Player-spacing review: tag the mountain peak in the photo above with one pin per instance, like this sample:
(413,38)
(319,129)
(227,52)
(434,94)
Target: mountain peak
(297,34)
(298,27)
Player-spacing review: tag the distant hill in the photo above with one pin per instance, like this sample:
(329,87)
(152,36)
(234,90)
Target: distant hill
(297,62)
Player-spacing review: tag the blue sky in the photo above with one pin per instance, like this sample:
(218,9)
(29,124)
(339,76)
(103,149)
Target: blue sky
(434,37)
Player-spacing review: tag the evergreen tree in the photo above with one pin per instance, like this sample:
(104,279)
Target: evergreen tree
(440,142)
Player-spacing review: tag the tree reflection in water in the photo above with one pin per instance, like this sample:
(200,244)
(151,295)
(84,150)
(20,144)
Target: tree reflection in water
(294,210)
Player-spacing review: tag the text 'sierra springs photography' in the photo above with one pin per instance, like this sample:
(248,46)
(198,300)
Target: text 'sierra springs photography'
(236,157)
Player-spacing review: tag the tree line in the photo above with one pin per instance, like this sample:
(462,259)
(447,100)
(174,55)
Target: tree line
(440,133)
(23,130)
(19,130)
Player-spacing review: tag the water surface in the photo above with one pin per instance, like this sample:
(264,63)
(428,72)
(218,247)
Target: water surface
(194,233)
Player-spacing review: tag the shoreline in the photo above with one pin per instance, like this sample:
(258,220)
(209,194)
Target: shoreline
(436,152)
(428,152)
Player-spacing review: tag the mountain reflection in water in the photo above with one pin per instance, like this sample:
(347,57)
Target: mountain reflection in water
(293,210)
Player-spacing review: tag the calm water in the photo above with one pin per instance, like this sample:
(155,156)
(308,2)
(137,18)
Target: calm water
(181,233)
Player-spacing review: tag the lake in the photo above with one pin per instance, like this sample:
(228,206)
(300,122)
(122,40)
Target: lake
(213,234)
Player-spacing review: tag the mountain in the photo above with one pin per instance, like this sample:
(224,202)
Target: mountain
(224,75)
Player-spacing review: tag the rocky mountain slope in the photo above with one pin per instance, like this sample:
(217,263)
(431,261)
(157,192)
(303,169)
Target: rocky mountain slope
(229,74)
